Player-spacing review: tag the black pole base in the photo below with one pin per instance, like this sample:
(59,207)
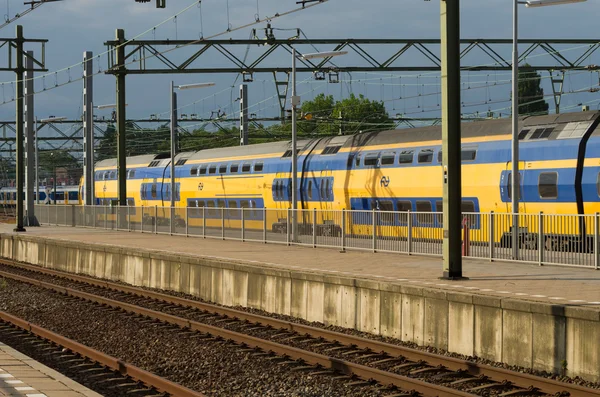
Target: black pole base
(19,229)
(31,221)
(452,277)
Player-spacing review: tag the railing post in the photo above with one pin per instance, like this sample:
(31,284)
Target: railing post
(171,210)
(409,227)
(73,219)
(203,222)
(94,214)
(187,221)
(491,235)
(374,230)
(343,229)
(156,219)
(105,217)
(142,220)
(596,240)
(128,218)
(264,225)
(243,230)
(314,228)
(540,243)
(222,223)
(287,227)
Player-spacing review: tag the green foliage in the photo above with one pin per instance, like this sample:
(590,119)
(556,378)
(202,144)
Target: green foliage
(358,114)
(348,116)
(531,95)
(50,159)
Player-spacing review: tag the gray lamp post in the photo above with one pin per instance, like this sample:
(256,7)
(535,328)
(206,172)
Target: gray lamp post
(515,114)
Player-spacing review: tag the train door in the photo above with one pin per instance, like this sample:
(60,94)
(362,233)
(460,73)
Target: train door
(506,193)
(326,196)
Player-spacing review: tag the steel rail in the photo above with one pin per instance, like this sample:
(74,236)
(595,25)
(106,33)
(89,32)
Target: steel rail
(345,367)
(148,378)
(522,380)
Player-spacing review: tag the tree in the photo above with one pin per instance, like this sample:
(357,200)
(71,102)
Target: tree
(531,95)
(348,116)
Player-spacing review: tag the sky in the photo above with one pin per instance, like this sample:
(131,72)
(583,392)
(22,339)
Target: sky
(75,26)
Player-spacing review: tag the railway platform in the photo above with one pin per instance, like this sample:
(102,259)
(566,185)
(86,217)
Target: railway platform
(21,375)
(541,317)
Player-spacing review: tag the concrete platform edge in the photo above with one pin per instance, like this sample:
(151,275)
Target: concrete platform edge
(541,336)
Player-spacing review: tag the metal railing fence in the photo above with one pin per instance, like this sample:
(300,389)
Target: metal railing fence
(566,240)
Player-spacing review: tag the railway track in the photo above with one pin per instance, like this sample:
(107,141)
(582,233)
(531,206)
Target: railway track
(322,351)
(106,374)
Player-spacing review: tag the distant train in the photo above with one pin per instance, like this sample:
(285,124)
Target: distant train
(64,195)
(396,170)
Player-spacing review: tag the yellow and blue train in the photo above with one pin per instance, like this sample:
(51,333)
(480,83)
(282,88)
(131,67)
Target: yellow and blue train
(397,170)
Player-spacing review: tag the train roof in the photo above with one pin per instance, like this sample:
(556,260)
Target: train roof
(555,126)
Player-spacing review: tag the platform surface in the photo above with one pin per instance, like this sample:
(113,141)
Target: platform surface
(21,375)
(550,284)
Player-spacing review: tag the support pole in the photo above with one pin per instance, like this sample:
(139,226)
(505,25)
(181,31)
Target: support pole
(121,117)
(30,168)
(37,165)
(515,134)
(295,102)
(243,114)
(19,120)
(88,127)
(172,96)
(451,138)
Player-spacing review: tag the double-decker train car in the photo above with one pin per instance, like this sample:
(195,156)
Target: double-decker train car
(396,170)
(69,194)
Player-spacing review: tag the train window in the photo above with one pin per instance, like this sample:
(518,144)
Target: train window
(60,195)
(388,158)
(537,133)
(424,217)
(387,217)
(131,174)
(223,169)
(246,167)
(331,149)
(309,189)
(371,159)
(113,175)
(289,190)
(425,156)
(258,167)
(548,185)
(212,169)
(404,206)
(547,132)
(439,209)
(232,208)
(221,203)
(244,204)
(131,202)
(327,195)
(440,157)
(406,157)
(357,162)
(106,175)
(211,207)
(153,191)
(598,184)
(194,170)
(468,154)
(202,170)
(467,206)
(523,134)
(235,167)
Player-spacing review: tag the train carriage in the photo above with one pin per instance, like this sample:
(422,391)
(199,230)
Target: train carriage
(373,175)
